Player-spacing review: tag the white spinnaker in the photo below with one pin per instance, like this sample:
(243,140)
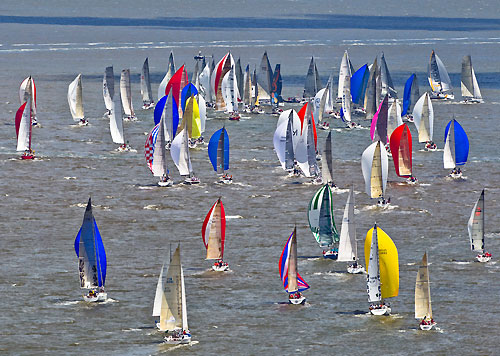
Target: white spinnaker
(375,167)
(373,280)
(75,98)
(394,118)
(180,153)
(423,116)
(159,166)
(279,141)
(23,136)
(449,149)
(317,104)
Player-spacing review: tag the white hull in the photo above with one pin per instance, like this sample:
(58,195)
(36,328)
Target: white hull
(168,183)
(221,268)
(355,270)
(226,180)
(472,101)
(297,301)
(148,106)
(191,180)
(441,96)
(123,148)
(183,339)
(456,175)
(99,297)
(426,327)
(384,310)
(483,259)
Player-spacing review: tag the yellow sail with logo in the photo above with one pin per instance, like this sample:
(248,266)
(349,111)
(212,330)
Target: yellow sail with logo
(388,261)
(191,118)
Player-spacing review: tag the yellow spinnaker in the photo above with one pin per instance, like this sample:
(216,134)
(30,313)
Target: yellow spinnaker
(388,261)
(191,118)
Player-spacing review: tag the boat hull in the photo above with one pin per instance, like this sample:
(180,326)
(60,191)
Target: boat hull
(184,339)
(223,268)
(426,327)
(384,310)
(100,297)
(355,270)
(168,183)
(297,301)
(483,259)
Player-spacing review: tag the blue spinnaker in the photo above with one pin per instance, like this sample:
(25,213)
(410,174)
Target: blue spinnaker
(186,93)
(407,95)
(461,142)
(213,145)
(359,81)
(160,106)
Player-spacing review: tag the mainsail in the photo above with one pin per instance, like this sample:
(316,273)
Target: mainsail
(386,80)
(475,226)
(313,82)
(438,75)
(179,150)
(213,231)
(147,94)
(108,88)
(265,77)
(170,72)
(348,249)
(327,160)
(410,95)
(126,94)
(423,306)
(470,88)
(378,128)
(172,306)
(116,123)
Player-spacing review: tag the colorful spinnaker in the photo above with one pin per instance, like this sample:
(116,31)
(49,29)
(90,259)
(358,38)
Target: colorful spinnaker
(292,281)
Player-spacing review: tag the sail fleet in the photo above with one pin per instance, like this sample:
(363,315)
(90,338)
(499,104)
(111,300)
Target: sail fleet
(179,123)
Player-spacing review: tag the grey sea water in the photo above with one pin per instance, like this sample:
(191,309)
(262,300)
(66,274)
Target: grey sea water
(243,311)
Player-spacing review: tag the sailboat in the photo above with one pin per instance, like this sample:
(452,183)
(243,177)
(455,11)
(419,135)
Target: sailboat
(327,162)
(126,96)
(218,152)
(293,283)
(230,94)
(322,223)
(319,108)
(75,101)
(475,227)
(108,89)
(423,308)
(371,102)
(192,121)
(401,153)
(345,112)
(305,147)
(276,87)
(180,155)
(410,96)
(264,79)
(222,68)
(116,127)
(344,71)
(166,108)
(156,155)
(23,122)
(91,258)
(147,94)
(313,82)
(423,117)
(469,86)
(378,127)
(394,118)
(375,166)
(166,79)
(213,233)
(456,148)
(284,139)
(28,89)
(439,79)
(387,87)
(173,307)
(348,245)
(381,258)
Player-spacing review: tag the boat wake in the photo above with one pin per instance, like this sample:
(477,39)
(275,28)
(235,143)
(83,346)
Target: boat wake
(68,302)
(68,178)
(234,217)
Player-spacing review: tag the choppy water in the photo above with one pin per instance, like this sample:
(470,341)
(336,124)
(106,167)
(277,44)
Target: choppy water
(242,311)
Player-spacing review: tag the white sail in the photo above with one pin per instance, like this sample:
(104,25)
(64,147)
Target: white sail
(116,123)
(28,89)
(159,294)
(159,167)
(75,99)
(345,70)
(346,99)
(387,87)
(375,167)
(171,307)
(394,118)
(423,116)
(167,77)
(204,82)
(477,92)
(126,93)
(449,148)
(438,77)
(443,73)
(168,119)
(475,226)
(347,245)
(24,131)
(373,279)
(180,153)
(327,161)
(147,95)
(423,306)
(202,107)
(317,109)
(108,88)
(185,325)
(279,141)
